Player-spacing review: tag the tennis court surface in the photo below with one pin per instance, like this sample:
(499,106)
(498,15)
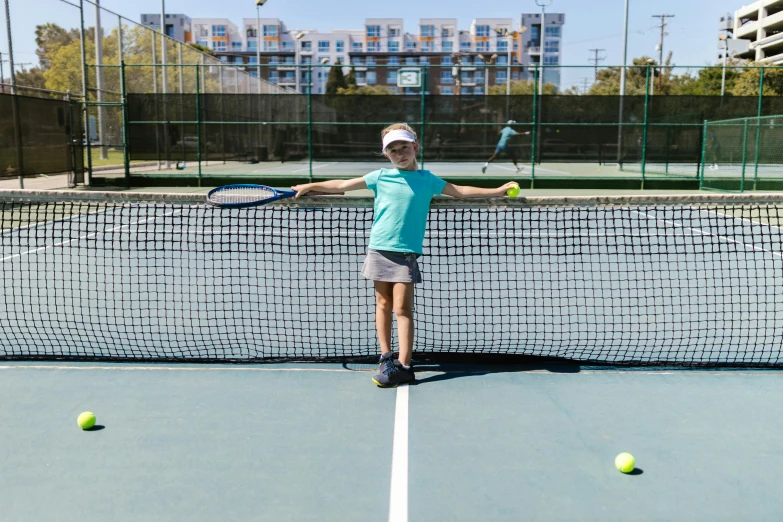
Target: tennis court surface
(552,334)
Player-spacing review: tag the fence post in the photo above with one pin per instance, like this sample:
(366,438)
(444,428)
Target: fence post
(310,118)
(703,155)
(423,97)
(125,154)
(758,127)
(198,122)
(86,98)
(534,133)
(646,117)
(744,152)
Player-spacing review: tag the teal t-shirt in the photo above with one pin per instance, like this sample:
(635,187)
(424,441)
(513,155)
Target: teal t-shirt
(402,202)
(505,135)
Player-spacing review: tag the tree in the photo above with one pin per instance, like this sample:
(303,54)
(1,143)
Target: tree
(707,82)
(205,50)
(336,80)
(608,80)
(366,90)
(32,78)
(350,79)
(522,87)
(747,83)
(49,37)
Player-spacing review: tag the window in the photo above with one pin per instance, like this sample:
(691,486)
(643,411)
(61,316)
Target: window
(446,32)
(288,46)
(323,46)
(535,33)
(394,32)
(370,61)
(394,47)
(482,46)
(393,60)
(445,77)
(306,60)
(270,30)
(424,60)
(218,30)
(514,59)
(203,31)
(516,45)
(236,45)
(447,60)
(251,32)
(203,43)
(274,60)
(271,46)
(466,91)
(394,90)
(448,47)
(273,76)
(224,59)
(356,47)
(479,90)
(465,60)
(371,77)
(373,47)
(373,31)
(552,46)
(447,90)
(289,77)
(482,30)
(500,77)
(357,60)
(466,77)
(502,46)
(410,60)
(409,90)
(307,46)
(502,60)
(428,31)
(339,46)
(428,46)
(391,77)
(464,46)
(253,60)
(515,75)
(360,77)
(479,60)
(479,76)
(238,59)
(410,46)
(219,46)
(252,45)
(551,60)
(552,31)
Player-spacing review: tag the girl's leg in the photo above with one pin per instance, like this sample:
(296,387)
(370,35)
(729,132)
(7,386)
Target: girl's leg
(383,314)
(403,310)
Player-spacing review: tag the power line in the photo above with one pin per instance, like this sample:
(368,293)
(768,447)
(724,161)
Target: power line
(663,25)
(597,59)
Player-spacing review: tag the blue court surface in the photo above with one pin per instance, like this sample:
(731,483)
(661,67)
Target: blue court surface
(321,442)
(655,287)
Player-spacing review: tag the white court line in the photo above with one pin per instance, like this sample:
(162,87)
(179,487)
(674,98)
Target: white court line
(62,220)
(528,171)
(318,167)
(750,221)
(46,247)
(398,496)
(703,233)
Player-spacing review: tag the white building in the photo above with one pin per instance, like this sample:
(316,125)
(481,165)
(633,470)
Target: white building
(761,23)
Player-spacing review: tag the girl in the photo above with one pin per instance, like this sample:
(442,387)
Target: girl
(402,202)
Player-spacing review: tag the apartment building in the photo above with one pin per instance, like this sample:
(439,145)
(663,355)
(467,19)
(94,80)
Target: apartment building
(761,24)
(177,25)
(465,62)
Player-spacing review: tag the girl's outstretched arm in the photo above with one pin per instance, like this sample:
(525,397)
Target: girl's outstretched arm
(333,186)
(460,191)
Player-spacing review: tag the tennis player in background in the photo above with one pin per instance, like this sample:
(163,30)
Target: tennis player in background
(402,202)
(506,133)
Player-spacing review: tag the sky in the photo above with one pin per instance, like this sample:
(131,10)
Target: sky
(595,24)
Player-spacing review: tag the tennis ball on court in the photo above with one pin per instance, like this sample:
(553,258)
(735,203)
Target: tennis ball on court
(557,131)
(625,462)
(86,420)
(513,191)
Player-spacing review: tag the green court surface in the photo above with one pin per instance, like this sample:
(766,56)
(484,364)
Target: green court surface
(321,442)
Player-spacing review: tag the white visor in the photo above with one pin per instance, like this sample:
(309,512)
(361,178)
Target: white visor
(510,122)
(397,135)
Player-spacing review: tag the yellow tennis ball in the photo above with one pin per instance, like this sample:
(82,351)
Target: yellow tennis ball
(86,420)
(513,191)
(625,462)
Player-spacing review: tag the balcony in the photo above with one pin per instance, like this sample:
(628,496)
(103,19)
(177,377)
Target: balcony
(286,67)
(534,50)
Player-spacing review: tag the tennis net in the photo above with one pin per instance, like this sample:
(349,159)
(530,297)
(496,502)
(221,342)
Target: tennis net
(629,280)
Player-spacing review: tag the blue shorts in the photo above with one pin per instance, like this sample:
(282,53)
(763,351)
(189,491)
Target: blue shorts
(502,148)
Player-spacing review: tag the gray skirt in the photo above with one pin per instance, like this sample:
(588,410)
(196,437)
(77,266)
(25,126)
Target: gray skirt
(391,267)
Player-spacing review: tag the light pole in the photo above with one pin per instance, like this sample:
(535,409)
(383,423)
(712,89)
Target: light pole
(486,70)
(259,3)
(543,4)
(296,60)
(622,87)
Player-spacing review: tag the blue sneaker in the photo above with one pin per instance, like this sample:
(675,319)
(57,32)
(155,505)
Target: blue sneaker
(390,374)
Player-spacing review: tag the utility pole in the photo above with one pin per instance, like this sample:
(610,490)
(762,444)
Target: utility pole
(597,59)
(663,18)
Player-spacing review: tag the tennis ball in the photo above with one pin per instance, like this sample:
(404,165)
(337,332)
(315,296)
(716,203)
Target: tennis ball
(513,191)
(86,420)
(625,462)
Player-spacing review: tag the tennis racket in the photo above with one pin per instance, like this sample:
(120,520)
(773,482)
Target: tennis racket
(238,196)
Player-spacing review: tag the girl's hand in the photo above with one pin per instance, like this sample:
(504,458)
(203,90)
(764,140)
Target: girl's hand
(502,190)
(301,190)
